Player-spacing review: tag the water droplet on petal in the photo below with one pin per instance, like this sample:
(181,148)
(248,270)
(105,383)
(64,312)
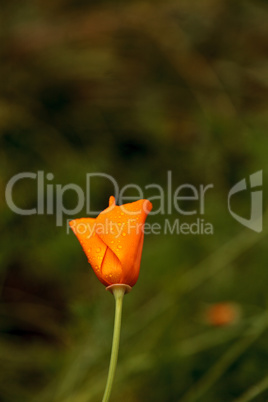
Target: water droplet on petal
(124,234)
(98,249)
(119,246)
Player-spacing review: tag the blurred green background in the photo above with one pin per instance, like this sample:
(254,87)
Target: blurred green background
(134,89)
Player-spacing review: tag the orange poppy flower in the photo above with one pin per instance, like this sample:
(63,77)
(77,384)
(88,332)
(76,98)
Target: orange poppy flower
(222,314)
(113,241)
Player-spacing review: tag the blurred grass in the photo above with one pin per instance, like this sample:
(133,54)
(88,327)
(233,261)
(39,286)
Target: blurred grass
(133,90)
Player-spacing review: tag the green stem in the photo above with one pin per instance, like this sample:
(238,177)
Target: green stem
(118,292)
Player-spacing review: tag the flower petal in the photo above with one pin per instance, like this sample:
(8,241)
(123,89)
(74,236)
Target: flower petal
(111,268)
(93,246)
(131,276)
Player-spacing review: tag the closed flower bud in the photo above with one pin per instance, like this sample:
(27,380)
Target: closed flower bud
(113,241)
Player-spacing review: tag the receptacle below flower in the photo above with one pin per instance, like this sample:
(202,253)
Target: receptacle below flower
(113,241)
